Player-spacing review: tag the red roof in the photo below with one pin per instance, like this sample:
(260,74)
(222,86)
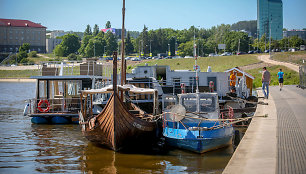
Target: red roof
(19,23)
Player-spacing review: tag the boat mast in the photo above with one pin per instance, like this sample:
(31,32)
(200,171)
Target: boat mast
(195,58)
(123,63)
(115,71)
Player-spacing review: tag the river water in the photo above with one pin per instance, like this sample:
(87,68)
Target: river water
(32,148)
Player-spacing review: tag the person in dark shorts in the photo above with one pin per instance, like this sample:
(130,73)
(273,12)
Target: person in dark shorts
(280,76)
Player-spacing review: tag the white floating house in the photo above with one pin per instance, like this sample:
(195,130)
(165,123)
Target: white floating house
(174,81)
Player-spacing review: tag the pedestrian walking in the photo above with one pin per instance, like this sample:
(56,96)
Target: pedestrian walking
(266,79)
(280,76)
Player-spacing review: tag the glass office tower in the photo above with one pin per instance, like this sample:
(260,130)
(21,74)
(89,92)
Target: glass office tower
(270,18)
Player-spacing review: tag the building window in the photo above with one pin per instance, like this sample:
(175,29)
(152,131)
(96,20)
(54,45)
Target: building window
(16,37)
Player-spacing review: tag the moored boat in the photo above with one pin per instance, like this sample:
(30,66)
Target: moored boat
(193,124)
(57,98)
(120,124)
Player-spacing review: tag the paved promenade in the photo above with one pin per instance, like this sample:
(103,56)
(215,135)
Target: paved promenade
(277,143)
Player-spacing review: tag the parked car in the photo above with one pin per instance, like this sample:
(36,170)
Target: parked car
(135,59)
(212,55)
(168,57)
(176,57)
(251,52)
(128,58)
(188,57)
(226,54)
(240,53)
(266,51)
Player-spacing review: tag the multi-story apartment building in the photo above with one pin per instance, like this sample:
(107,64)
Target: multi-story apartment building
(13,33)
(300,33)
(270,18)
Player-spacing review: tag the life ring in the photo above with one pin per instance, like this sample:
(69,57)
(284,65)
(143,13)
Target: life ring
(40,103)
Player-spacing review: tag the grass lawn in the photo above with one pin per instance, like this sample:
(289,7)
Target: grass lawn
(218,64)
(5,74)
(290,77)
(294,57)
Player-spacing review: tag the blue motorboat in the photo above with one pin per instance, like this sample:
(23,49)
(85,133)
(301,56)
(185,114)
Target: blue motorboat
(194,124)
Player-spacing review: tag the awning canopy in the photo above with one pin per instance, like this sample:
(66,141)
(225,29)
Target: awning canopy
(126,87)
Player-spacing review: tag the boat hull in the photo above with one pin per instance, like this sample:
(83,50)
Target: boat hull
(198,141)
(117,129)
(54,119)
(199,145)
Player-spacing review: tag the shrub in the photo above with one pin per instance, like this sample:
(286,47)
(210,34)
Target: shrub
(72,56)
(24,60)
(79,58)
(33,54)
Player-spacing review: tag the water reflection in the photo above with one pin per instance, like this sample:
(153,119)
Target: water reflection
(98,160)
(58,147)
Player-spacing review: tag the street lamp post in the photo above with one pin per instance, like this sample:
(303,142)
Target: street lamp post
(270,39)
(104,52)
(169,50)
(150,49)
(94,48)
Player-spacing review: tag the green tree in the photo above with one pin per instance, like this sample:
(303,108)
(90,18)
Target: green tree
(95,47)
(59,50)
(186,49)
(22,54)
(295,41)
(85,41)
(87,30)
(111,43)
(24,47)
(108,24)
(70,43)
(129,47)
(95,30)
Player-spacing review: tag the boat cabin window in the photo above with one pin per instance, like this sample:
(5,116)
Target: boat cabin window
(168,102)
(62,88)
(190,104)
(42,89)
(207,104)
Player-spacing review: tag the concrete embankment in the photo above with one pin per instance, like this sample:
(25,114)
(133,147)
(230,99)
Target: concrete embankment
(17,80)
(257,151)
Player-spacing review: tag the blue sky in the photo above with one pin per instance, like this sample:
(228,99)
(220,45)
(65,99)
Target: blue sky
(177,14)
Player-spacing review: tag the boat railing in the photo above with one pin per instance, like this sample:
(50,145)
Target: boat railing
(54,105)
(69,68)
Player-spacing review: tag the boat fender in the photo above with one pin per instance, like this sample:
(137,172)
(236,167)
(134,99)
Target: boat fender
(41,109)
(26,109)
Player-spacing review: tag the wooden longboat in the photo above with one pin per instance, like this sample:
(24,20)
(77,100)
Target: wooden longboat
(120,124)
